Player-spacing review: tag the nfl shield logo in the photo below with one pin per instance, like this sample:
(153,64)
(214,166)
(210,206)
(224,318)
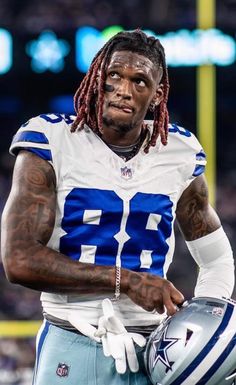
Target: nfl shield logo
(218,311)
(62,370)
(126,172)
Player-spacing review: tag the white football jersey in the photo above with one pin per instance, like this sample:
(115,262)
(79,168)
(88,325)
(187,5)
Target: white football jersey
(110,211)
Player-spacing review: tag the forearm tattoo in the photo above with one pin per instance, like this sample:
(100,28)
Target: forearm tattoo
(143,285)
(28,225)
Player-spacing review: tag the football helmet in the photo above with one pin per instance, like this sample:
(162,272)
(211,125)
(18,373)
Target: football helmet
(195,346)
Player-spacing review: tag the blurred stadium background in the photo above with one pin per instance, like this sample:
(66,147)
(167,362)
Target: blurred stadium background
(44,48)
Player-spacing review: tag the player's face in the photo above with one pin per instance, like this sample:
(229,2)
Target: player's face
(132,83)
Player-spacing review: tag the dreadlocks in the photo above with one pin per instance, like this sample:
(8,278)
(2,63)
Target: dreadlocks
(92,88)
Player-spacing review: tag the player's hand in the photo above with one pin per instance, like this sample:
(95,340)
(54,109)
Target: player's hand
(153,292)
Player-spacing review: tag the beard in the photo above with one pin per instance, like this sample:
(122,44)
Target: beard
(119,126)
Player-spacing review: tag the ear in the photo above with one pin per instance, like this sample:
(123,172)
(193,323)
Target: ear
(158,97)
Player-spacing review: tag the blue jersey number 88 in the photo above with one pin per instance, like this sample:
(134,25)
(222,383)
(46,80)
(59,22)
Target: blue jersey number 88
(148,225)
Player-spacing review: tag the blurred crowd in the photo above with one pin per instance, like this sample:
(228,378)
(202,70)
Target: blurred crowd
(26,16)
(61,15)
(16,361)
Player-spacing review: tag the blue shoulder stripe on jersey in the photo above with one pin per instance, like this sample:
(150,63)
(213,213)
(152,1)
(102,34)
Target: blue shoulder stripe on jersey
(207,348)
(30,136)
(218,362)
(42,153)
(199,169)
(201,155)
(181,130)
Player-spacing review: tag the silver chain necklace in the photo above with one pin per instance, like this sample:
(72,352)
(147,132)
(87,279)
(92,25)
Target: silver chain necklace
(127,152)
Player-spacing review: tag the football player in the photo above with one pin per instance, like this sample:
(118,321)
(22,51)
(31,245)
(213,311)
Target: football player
(91,213)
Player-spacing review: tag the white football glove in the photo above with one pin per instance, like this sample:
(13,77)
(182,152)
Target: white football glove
(116,341)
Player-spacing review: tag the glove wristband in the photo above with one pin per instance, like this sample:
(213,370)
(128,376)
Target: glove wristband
(117,283)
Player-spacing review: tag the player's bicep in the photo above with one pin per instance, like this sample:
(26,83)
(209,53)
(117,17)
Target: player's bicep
(195,216)
(29,213)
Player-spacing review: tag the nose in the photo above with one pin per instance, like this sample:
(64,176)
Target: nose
(124,90)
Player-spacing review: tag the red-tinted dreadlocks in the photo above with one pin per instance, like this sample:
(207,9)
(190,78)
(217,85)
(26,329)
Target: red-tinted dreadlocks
(92,88)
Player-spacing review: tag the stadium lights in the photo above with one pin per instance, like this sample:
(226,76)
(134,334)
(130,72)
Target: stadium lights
(47,52)
(183,48)
(6,51)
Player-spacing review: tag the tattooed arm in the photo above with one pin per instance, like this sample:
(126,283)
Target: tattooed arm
(207,242)
(194,214)
(27,225)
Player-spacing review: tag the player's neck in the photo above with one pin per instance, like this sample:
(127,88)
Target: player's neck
(127,152)
(114,136)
